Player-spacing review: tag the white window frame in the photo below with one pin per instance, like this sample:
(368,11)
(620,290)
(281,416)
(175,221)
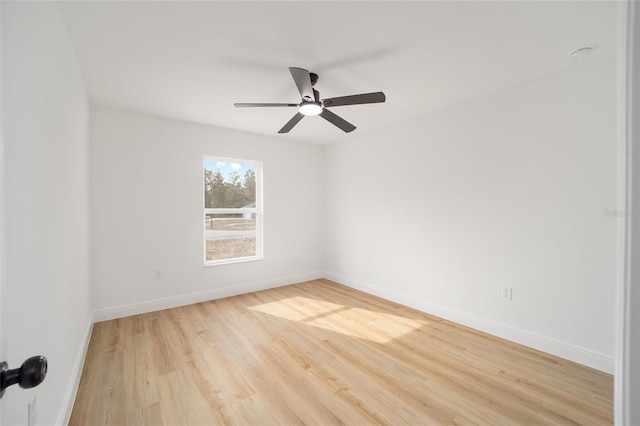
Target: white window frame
(258,211)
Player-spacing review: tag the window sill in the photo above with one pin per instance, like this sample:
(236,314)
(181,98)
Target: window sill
(229,261)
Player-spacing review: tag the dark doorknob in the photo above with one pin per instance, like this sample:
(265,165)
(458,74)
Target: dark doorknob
(30,374)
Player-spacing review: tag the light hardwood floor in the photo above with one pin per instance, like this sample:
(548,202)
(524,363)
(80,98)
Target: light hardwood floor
(321,353)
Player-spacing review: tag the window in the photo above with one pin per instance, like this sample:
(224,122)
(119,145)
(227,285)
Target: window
(232,210)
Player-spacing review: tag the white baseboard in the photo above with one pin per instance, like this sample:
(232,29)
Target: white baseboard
(564,350)
(69,398)
(188,299)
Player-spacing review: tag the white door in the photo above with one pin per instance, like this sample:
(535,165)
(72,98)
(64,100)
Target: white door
(3,345)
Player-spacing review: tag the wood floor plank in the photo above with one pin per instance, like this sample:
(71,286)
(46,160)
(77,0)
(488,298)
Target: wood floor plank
(321,353)
(149,415)
(139,373)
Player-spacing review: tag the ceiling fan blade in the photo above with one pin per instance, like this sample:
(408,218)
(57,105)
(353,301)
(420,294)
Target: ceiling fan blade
(365,98)
(296,118)
(303,82)
(246,104)
(337,121)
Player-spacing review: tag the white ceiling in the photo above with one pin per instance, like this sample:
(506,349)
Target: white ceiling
(192,60)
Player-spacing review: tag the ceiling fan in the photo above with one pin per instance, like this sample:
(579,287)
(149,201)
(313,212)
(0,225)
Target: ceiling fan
(311,103)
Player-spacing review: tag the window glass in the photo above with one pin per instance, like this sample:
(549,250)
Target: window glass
(232,214)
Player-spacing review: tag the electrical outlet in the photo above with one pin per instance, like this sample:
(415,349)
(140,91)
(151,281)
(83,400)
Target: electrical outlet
(507,293)
(31,416)
(157,275)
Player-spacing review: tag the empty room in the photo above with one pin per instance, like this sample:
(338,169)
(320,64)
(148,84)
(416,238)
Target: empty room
(308,212)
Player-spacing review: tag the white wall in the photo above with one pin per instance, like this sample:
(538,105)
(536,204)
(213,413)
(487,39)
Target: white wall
(146,210)
(46,310)
(507,190)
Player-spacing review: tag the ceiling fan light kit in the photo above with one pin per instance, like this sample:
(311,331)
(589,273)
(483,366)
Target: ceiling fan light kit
(310,108)
(311,104)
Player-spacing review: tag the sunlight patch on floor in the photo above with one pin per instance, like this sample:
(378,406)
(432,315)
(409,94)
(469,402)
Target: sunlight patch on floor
(361,323)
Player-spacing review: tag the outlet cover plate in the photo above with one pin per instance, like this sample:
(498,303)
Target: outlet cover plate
(507,293)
